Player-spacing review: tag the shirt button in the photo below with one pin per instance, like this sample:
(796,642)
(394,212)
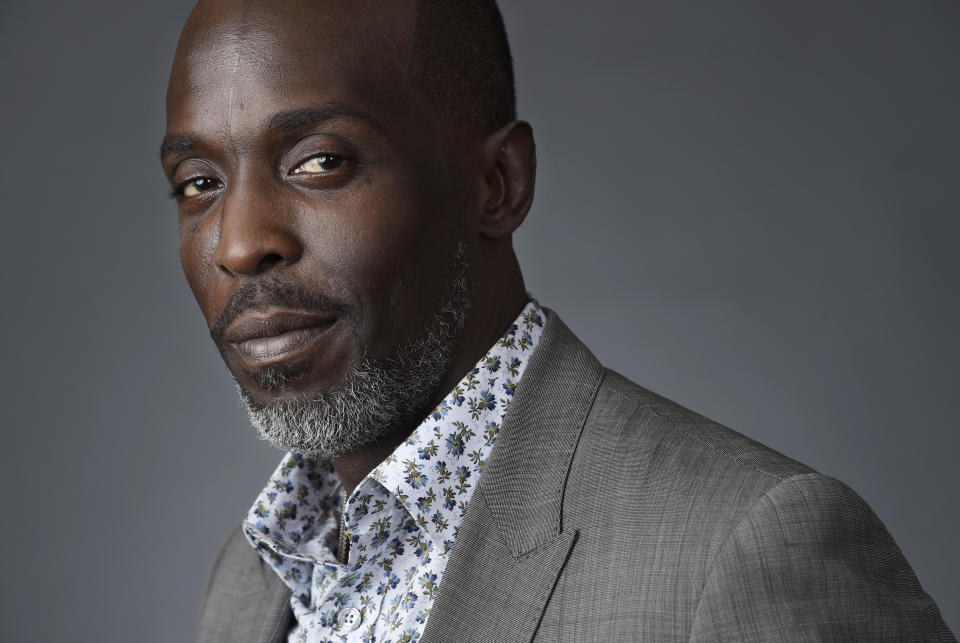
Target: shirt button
(349,618)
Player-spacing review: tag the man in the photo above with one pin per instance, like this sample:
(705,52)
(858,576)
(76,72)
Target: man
(460,467)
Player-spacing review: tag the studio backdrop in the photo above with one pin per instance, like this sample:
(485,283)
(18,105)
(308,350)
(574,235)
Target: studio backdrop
(748,207)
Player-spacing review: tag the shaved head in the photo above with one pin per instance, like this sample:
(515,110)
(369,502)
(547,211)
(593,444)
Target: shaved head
(455,53)
(461,60)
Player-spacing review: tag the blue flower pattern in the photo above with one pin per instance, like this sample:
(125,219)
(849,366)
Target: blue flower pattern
(402,519)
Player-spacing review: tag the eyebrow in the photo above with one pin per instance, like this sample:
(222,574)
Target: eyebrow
(287,120)
(173,143)
(301,117)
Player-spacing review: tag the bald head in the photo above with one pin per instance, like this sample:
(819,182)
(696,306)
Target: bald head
(461,60)
(454,53)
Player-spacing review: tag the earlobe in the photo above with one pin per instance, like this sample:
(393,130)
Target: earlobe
(510,165)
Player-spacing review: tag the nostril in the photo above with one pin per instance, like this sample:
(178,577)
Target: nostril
(269,260)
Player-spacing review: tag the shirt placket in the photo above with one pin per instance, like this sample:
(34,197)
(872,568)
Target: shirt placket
(336,594)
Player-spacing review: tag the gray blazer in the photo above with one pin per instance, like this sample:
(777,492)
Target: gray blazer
(608,513)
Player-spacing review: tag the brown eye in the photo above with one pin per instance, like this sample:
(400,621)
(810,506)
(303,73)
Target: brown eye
(198,186)
(320,164)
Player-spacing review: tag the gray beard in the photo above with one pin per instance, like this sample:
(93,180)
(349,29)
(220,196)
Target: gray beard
(377,395)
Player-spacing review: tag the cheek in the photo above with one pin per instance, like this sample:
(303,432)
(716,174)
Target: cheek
(196,247)
(369,232)
(399,253)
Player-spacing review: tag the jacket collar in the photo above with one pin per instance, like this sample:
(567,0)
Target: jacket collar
(511,546)
(525,475)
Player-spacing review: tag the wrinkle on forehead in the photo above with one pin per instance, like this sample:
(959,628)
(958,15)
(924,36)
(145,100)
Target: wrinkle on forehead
(236,50)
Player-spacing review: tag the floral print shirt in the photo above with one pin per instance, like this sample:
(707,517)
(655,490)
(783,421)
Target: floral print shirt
(402,519)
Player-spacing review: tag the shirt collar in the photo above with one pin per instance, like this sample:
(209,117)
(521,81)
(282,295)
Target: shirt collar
(433,473)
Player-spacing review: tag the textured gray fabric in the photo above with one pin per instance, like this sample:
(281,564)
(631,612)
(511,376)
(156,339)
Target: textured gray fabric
(245,600)
(608,513)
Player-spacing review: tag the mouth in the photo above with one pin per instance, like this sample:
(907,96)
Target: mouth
(267,338)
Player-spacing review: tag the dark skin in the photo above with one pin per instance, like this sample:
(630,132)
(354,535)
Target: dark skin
(300,154)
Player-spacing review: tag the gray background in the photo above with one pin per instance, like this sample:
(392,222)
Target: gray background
(750,207)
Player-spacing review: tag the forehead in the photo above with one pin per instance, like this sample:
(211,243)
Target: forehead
(238,62)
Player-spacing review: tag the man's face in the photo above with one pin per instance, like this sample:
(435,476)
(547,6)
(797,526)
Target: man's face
(318,220)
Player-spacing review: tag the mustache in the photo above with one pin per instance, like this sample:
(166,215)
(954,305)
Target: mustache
(270,293)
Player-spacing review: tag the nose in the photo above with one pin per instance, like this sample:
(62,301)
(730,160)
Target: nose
(255,234)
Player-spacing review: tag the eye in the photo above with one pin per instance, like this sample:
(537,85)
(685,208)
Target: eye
(198,186)
(319,164)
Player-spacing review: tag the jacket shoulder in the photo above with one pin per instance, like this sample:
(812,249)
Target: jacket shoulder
(812,531)
(643,420)
(668,477)
(654,492)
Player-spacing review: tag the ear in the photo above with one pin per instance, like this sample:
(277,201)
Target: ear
(510,171)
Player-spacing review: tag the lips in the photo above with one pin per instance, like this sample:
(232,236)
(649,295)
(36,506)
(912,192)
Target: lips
(264,338)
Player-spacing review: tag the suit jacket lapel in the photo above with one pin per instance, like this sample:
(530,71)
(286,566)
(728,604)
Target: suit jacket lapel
(511,546)
(246,600)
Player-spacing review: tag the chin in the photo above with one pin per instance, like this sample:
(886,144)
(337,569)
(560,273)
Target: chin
(286,381)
